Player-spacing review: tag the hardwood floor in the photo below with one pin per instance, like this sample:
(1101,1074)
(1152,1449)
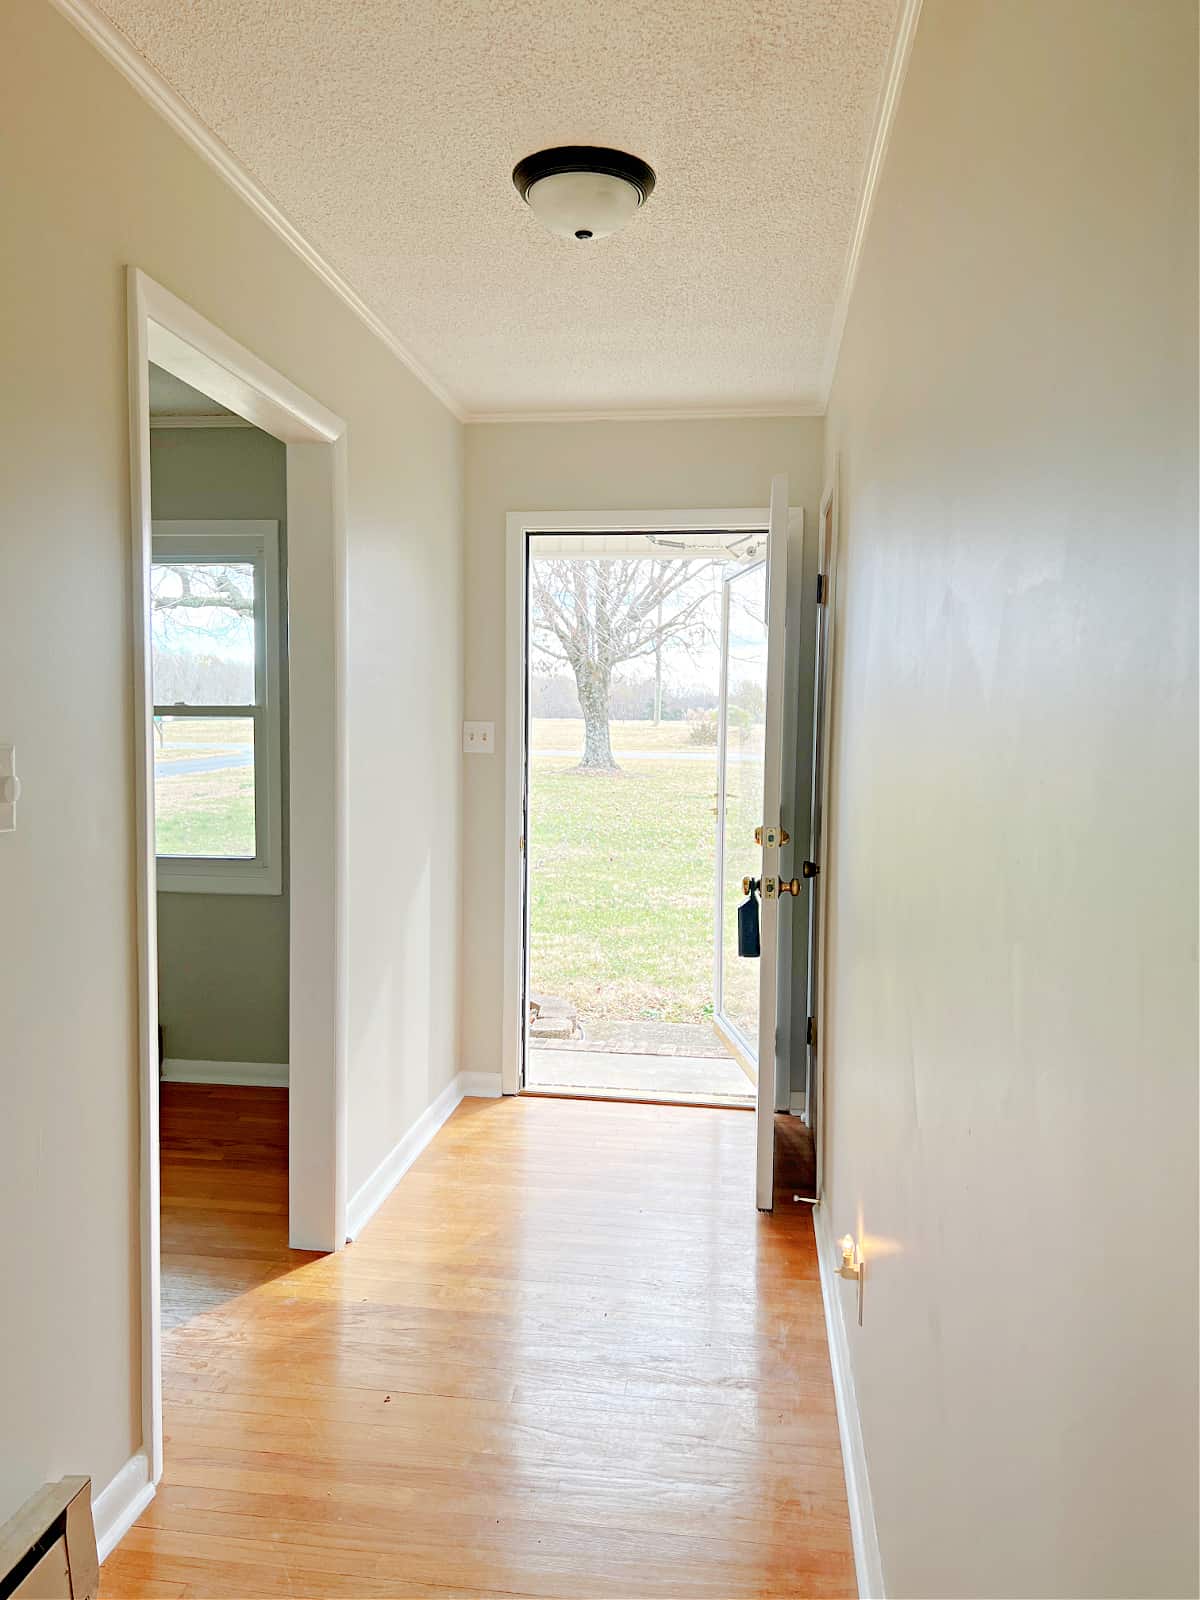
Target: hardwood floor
(567,1358)
(795,1161)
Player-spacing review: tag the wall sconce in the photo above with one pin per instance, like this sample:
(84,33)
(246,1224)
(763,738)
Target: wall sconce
(852,1267)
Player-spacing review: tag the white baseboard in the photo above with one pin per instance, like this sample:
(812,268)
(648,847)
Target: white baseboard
(868,1564)
(118,1506)
(369,1196)
(799,1104)
(480,1085)
(254,1074)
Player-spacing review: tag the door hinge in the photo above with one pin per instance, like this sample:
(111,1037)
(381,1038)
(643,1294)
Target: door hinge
(810,1036)
(820,588)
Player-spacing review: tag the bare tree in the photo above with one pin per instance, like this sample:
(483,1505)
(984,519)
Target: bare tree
(203,632)
(597,614)
(209,587)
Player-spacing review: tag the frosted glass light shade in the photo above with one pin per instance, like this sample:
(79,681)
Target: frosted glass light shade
(583,205)
(583,191)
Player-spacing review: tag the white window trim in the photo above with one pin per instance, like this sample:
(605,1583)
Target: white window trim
(256,541)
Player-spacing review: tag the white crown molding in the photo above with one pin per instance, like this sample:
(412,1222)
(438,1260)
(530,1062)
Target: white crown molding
(223,419)
(889,95)
(807,408)
(116,48)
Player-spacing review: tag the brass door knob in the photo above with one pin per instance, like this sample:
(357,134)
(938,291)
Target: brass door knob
(790,885)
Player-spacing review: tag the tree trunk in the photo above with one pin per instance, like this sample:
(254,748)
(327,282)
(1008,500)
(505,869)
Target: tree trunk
(592,683)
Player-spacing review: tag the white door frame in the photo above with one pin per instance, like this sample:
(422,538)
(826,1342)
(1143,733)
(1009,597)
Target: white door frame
(162,329)
(823,723)
(520,524)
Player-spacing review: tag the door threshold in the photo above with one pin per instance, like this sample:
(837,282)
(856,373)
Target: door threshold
(711,1103)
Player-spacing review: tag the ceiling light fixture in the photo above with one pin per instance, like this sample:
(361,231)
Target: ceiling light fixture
(581,192)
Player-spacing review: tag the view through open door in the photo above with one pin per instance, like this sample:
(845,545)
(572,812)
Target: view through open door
(581,1034)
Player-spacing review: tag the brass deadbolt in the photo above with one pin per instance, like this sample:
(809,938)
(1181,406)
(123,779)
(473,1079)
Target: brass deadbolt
(774,837)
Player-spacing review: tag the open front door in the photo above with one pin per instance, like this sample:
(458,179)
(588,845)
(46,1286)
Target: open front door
(772,841)
(749,834)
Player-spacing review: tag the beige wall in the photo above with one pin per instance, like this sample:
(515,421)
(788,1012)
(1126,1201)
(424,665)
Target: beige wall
(93,180)
(223,958)
(1012,1038)
(593,466)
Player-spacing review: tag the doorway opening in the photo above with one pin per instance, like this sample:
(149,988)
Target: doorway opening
(649,879)
(644,690)
(238,588)
(219,675)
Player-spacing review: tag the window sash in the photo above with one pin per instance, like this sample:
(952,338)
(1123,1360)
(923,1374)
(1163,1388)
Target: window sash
(255,543)
(176,550)
(181,709)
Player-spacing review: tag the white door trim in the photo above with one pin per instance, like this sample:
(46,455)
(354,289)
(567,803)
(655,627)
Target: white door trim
(520,524)
(163,329)
(823,709)
(774,1017)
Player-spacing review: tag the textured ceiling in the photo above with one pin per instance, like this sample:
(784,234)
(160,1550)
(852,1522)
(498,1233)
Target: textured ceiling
(385,130)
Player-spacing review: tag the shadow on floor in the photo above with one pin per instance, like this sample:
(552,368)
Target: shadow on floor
(224,1200)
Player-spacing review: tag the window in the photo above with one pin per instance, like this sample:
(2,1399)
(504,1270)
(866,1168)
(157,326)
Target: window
(215,658)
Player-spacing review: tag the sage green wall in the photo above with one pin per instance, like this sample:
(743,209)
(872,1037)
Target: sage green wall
(223,958)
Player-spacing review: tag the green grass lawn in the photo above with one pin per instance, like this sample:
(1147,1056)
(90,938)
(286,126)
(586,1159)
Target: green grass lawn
(621,878)
(621,867)
(563,733)
(209,813)
(217,818)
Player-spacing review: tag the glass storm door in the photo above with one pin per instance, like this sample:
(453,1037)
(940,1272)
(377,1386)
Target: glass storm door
(740,751)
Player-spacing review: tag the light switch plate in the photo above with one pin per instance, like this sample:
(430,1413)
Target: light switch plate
(10,788)
(479,738)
